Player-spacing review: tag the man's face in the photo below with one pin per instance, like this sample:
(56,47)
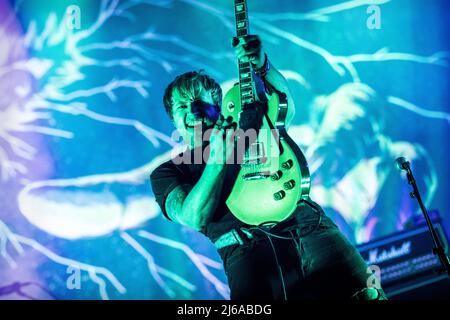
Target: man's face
(192,118)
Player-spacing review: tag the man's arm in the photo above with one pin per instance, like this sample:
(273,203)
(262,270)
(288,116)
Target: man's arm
(194,207)
(249,48)
(276,79)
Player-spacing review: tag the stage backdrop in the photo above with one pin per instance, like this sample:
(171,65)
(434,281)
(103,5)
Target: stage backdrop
(82,126)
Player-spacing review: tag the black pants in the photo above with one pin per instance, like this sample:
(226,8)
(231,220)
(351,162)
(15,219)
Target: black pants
(316,262)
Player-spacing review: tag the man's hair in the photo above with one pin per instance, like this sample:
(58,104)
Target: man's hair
(192,85)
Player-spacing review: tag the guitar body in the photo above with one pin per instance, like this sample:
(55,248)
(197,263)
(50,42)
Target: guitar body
(274,175)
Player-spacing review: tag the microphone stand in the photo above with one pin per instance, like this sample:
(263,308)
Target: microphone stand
(438,249)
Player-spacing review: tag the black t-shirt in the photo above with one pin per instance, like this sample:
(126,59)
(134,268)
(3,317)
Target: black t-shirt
(171,174)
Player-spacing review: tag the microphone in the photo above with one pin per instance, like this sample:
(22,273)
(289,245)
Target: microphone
(402,164)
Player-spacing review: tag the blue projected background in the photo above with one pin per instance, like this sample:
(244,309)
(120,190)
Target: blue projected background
(82,126)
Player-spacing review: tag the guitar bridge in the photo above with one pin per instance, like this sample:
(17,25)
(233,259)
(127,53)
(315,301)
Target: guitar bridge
(255,154)
(257,175)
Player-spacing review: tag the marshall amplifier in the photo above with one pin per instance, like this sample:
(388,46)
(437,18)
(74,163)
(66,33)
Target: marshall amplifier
(408,267)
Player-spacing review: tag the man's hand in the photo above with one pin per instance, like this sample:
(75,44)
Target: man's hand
(249,48)
(252,115)
(222,141)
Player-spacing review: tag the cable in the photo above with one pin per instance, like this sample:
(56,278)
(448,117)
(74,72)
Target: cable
(292,237)
(272,234)
(279,268)
(319,221)
(297,245)
(299,253)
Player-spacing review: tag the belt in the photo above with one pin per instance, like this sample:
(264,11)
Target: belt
(230,238)
(233,236)
(243,235)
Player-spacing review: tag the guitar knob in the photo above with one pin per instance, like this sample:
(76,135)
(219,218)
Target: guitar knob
(276,176)
(289,185)
(288,164)
(279,195)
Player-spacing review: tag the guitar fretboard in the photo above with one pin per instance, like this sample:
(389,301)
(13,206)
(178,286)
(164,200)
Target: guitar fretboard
(245,69)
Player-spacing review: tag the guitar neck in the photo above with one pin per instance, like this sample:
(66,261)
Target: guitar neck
(247,92)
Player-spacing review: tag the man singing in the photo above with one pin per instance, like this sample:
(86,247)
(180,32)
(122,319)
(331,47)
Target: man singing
(302,257)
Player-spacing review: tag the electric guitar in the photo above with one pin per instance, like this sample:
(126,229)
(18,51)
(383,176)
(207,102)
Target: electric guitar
(274,174)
